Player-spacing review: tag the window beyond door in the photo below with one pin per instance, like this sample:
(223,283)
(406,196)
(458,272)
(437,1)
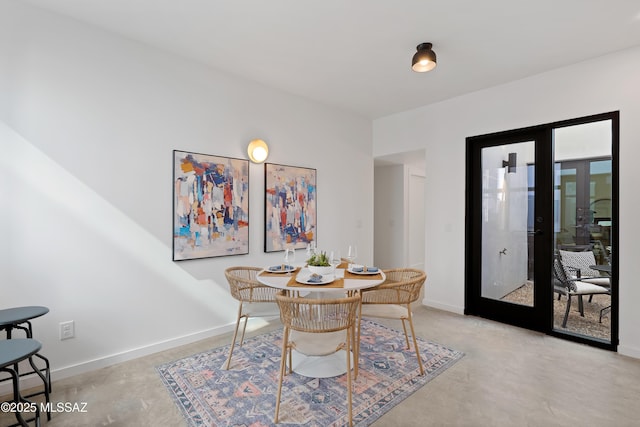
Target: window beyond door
(583,219)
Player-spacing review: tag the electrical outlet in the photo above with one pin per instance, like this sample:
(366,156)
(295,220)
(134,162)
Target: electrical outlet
(67,330)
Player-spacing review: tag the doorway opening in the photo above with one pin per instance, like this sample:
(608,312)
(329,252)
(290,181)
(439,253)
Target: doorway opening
(399,210)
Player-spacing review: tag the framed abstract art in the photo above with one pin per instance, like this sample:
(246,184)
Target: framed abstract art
(210,206)
(290,207)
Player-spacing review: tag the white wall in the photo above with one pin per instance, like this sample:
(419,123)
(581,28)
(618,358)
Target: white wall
(88,122)
(579,90)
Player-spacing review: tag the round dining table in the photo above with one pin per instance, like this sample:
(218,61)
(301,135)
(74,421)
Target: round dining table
(343,281)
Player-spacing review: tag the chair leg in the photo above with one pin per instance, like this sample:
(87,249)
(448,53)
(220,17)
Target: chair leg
(566,313)
(604,311)
(359,322)
(406,336)
(356,355)
(349,385)
(357,341)
(233,341)
(244,328)
(283,358)
(580,305)
(415,342)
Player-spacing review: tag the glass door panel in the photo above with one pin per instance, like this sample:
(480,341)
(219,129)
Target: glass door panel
(508,199)
(582,224)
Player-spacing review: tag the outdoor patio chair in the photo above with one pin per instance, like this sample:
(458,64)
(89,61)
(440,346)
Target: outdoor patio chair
(573,286)
(577,265)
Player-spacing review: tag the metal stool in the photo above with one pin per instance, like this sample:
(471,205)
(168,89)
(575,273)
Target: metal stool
(13,352)
(17,318)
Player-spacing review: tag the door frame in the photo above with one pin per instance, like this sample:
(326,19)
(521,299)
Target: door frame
(540,316)
(530,317)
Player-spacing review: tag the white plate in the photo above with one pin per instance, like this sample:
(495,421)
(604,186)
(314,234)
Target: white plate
(279,269)
(365,273)
(326,279)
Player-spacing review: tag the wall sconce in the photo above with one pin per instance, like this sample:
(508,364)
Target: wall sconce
(511,163)
(424,59)
(258,151)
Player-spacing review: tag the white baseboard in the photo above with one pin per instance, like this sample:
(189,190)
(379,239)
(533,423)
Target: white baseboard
(102,362)
(442,306)
(629,351)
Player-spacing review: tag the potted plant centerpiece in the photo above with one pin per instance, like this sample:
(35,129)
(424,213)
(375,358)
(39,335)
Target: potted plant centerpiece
(318,263)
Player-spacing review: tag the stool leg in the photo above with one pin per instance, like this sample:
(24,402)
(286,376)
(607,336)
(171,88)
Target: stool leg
(17,398)
(45,383)
(47,370)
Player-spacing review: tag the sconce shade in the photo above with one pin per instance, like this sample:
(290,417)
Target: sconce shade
(258,151)
(424,59)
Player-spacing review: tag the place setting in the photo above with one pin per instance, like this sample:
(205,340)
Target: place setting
(358,269)
(321,269)
(363,270)
(287,267)
(280,269)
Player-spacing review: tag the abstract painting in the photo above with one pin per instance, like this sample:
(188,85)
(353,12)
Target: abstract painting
(210,206)
(290,207)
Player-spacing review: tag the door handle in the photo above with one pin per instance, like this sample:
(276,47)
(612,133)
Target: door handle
(538,232)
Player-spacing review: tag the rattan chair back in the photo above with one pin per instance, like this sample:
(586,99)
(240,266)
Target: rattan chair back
(317,315)
(402,286)
(245,287)
(303,316)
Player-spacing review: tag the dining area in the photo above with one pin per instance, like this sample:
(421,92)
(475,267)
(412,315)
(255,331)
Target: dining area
(322,303)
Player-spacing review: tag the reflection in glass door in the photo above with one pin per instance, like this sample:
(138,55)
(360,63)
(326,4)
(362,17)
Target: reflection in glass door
(507,207)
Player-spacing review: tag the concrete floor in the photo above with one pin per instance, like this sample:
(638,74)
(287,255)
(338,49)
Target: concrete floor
(508,377)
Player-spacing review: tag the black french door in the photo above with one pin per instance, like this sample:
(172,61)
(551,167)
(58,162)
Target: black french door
(509,227)
(530,192)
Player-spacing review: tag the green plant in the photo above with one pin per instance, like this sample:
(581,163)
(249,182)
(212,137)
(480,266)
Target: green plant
(319,260)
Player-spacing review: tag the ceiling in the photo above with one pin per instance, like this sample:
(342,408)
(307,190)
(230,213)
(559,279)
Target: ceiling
(356,54)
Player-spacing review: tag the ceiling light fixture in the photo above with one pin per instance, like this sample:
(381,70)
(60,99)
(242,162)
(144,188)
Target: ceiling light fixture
(258,151)
(424,59)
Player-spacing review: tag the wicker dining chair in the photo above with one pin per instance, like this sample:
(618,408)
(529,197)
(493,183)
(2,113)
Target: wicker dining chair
(304,319)
(392,300)
(255,299)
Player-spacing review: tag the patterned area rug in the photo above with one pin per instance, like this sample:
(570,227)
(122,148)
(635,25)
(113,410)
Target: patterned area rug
(245,394)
